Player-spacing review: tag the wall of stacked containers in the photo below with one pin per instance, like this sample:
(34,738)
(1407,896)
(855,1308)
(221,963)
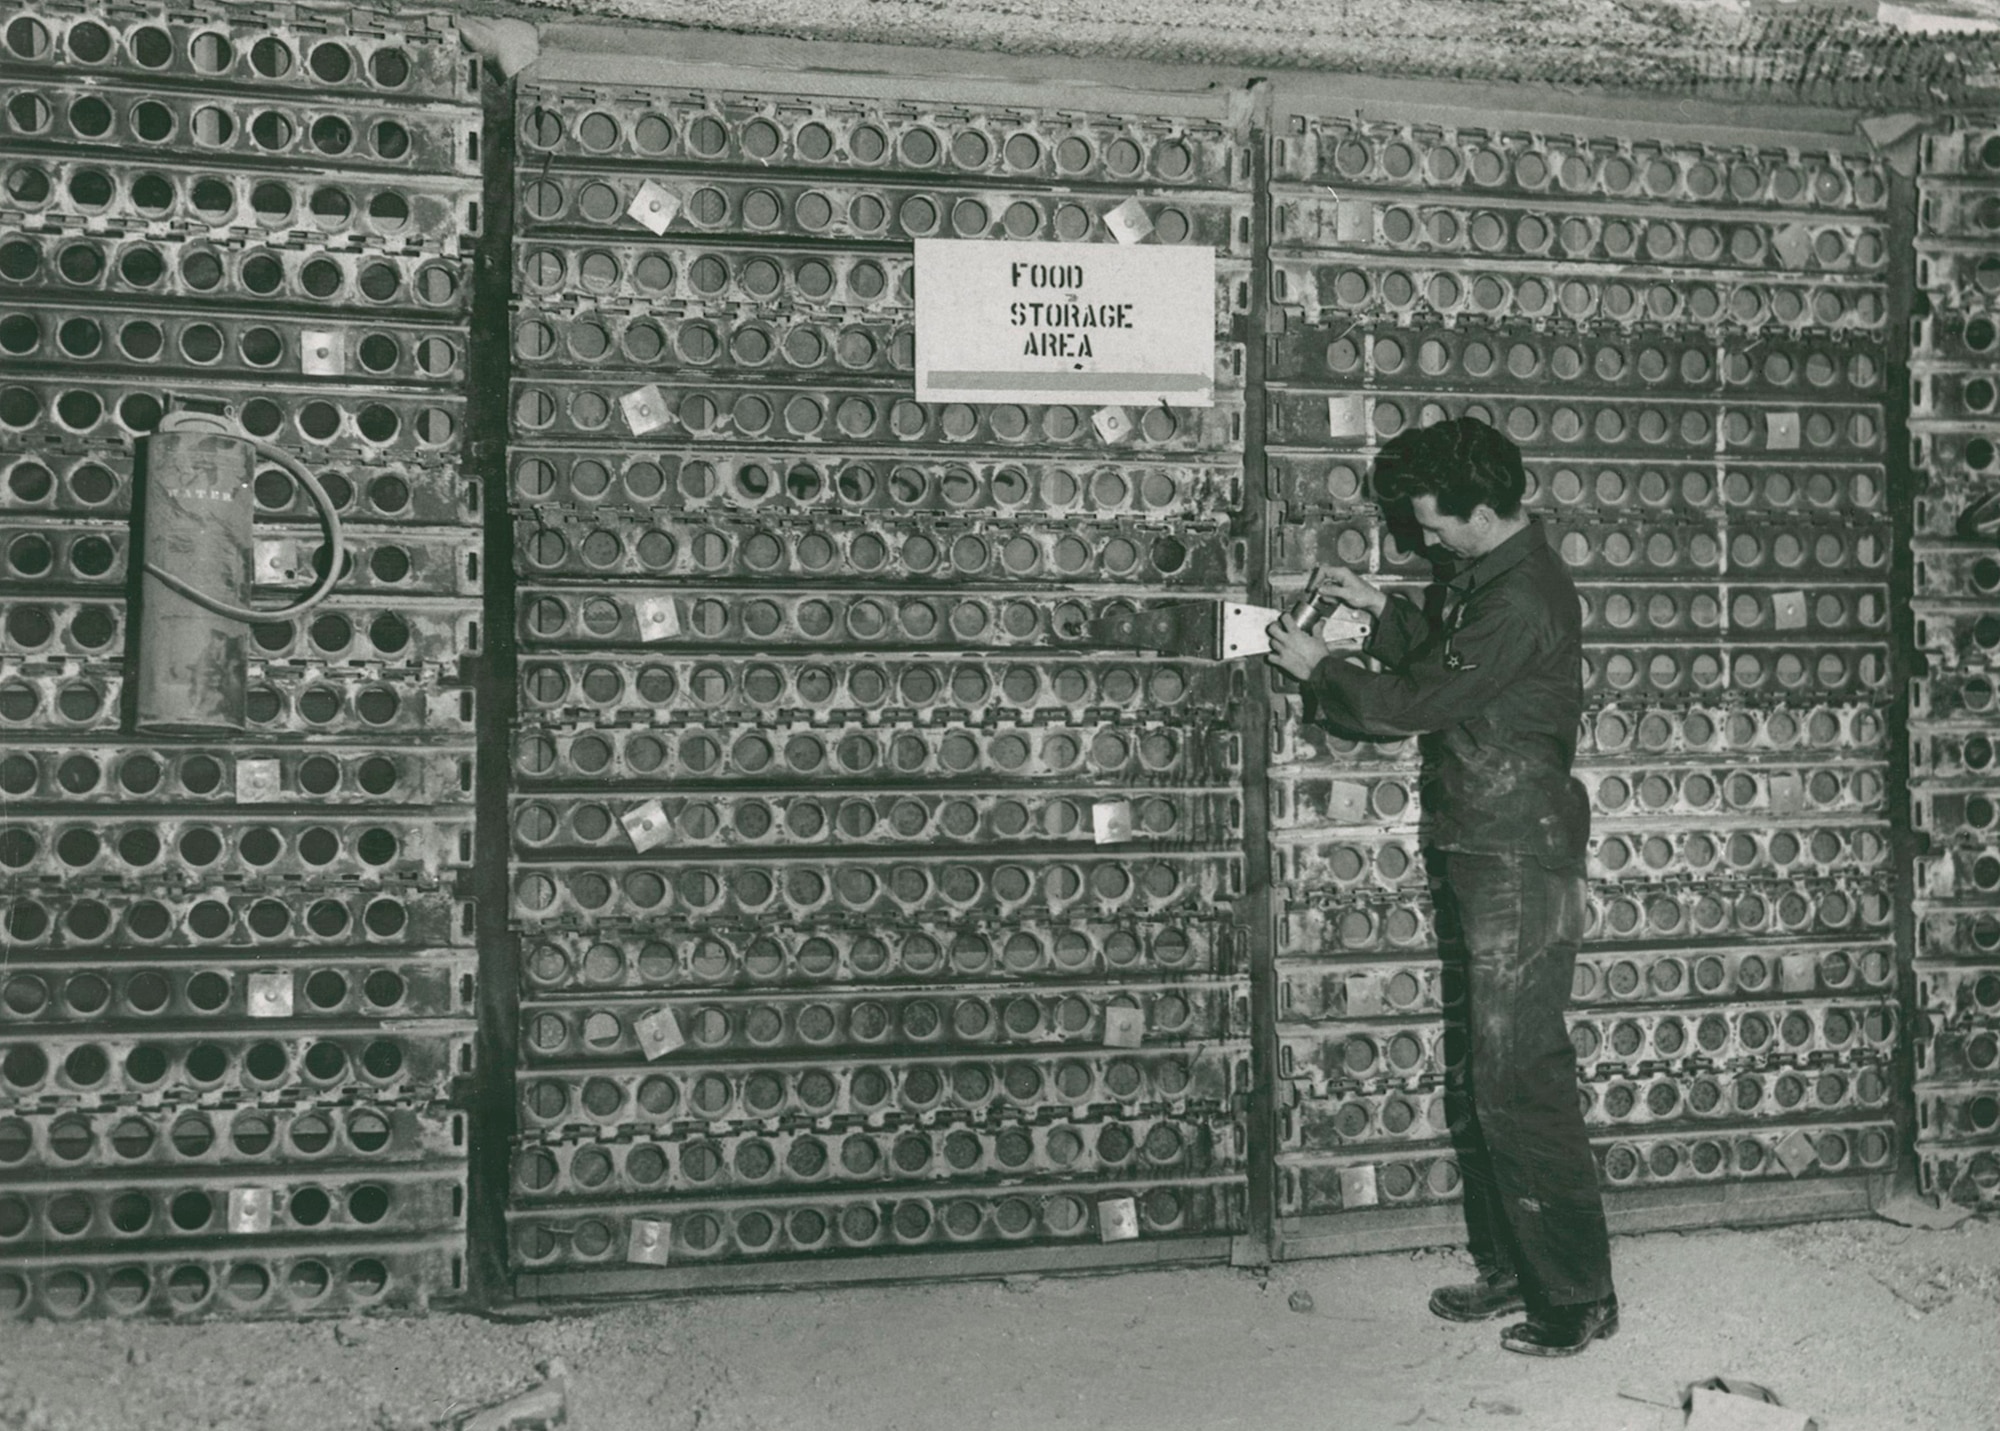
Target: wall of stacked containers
(1689,335)
(237,986)
(1954,719)
(822,688)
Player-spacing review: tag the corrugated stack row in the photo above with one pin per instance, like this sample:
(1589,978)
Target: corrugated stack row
(1686,341)
(1955,701)
(237,982)
(872,898)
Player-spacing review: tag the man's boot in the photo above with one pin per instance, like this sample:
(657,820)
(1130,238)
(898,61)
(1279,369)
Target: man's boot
(1489,1297)
(1562,1331)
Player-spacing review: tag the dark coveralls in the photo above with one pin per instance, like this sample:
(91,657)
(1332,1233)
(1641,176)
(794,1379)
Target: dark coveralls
(1493,682)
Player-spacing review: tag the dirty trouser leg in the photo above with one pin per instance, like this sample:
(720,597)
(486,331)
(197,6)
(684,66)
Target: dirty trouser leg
(1487,1235)
(1520,925)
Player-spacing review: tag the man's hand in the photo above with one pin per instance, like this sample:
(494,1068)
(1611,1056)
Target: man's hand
(1297,653)
(1357,591)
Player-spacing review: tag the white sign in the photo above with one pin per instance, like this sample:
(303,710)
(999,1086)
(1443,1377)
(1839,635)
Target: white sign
(1065,322)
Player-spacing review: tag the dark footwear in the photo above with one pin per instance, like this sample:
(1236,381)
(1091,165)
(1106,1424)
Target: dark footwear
(1478,1301)
(1563,1331)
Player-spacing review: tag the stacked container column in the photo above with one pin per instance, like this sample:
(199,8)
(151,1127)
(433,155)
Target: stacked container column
(1954,709)
(237,984)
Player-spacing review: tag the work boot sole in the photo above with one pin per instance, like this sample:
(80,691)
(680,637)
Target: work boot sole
(1451,1313)
(1604,1331)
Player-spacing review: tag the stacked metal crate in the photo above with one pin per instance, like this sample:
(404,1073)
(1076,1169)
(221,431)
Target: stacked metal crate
(236,986)
(1955,702)
(873,900)
(1684,333)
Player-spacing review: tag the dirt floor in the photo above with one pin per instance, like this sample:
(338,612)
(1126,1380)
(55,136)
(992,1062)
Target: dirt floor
(1869,1326)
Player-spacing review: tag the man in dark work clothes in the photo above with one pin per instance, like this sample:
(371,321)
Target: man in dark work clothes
(1492,681)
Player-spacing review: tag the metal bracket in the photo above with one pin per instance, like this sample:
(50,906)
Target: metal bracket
(1243,629)
(1203,630)
(1220,630)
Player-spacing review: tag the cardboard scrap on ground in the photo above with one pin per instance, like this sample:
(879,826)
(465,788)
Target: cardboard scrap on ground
(1719,1411)
(1729,1403)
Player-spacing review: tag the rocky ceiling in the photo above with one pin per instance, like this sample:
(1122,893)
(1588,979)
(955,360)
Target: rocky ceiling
(1857,53)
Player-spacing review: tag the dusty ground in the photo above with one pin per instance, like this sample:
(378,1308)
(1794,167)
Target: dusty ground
(1868,1325)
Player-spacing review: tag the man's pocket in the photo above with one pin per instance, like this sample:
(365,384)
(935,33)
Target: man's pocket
(1562,834)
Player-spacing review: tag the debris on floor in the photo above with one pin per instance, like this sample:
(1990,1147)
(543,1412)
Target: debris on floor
(1727,1403)
(1909,1210)
(1710,1410)
(536,1409)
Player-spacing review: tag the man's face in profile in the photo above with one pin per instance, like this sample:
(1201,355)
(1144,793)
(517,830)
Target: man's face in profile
(1460,536)
(1401,525)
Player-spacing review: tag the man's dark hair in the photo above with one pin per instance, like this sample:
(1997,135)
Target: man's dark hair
(1459,463)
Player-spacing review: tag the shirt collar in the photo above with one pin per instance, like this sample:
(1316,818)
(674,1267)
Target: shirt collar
(1505,557)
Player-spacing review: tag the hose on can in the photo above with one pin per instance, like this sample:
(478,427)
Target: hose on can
(329,519)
